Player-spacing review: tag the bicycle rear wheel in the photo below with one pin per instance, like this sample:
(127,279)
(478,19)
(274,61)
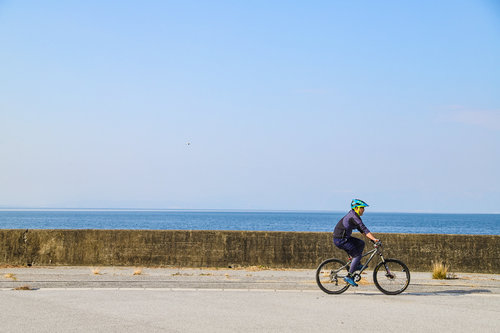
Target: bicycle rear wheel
(330,276)
(391,277)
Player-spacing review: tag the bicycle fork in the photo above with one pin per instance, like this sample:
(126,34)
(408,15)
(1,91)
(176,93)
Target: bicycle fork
(387,270)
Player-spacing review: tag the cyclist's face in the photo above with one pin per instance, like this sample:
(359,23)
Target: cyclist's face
(361,211)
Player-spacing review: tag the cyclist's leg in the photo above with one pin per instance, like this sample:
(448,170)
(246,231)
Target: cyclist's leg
(355,263)
(341,243)
(354,246)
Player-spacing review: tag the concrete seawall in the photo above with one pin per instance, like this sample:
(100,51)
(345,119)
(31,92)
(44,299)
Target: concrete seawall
(463,253)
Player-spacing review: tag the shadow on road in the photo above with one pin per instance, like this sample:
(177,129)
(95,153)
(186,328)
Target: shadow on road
(451,292)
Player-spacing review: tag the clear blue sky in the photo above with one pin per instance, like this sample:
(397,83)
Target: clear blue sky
(286,105)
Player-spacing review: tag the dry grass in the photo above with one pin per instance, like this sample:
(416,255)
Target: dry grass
(256,268)
(12,266)
(138,271)
(26,287)
(236,267)
(10,276)
(96,271)
(439,271)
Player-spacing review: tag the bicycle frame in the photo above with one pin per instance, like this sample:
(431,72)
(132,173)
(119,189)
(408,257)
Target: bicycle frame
(376,250)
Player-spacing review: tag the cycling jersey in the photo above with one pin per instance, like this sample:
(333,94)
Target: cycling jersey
(351,221)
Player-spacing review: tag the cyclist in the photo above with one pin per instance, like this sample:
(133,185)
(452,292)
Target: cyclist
(353,246)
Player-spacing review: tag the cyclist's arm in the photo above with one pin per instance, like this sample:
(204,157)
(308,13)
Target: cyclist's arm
(370,236)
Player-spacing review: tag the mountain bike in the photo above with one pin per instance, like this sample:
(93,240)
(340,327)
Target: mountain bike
(391,276)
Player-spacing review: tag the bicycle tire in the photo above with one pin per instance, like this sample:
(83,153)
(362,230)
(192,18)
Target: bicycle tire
(391,277)
(330,276)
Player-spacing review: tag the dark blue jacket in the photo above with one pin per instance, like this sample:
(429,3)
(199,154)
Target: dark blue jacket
(351,221)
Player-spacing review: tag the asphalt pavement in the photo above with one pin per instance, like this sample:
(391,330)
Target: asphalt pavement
(126,299)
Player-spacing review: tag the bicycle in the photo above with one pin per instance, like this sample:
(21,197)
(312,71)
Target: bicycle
(391,276)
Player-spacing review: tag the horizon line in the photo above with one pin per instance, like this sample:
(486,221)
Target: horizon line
(24,208)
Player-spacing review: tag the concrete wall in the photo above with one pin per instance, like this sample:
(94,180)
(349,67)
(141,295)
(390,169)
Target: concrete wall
(464,253)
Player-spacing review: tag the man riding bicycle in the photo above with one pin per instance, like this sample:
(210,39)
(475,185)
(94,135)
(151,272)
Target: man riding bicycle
(353,246)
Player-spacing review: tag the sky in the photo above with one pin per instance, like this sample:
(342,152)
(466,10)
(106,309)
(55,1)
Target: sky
(253,105)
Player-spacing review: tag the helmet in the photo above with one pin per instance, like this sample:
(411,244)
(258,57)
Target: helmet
(358,203)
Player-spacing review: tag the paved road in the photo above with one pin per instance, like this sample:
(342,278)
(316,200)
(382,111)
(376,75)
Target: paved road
(193,300)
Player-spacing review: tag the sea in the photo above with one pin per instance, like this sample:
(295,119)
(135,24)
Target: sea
(420,223)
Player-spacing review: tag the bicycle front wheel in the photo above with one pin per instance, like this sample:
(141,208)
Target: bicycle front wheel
(391,277)
(330,276)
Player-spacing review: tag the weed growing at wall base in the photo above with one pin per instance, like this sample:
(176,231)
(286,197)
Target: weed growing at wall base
(439,271)
(26,287)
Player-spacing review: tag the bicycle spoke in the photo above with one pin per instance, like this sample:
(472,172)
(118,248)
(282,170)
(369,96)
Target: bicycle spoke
(330,276)
(391,277)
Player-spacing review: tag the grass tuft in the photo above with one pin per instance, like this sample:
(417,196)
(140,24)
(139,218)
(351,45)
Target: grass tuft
(257,268)
(181,274)
(26,287)
(439,271)
(138,271)
(10,276)
(96,271)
